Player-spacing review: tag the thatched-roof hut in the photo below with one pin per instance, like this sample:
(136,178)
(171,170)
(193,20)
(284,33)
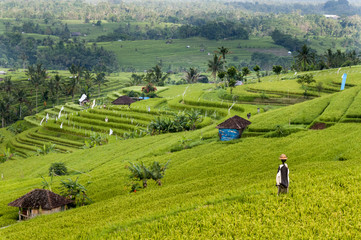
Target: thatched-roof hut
(38,202)
(123,100)
(232,128)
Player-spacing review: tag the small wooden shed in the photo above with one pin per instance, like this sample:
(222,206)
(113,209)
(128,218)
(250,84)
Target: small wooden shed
(123,100)
(232,128)
(39,202)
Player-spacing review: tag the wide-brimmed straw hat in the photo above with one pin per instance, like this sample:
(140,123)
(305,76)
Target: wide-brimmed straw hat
(283,157)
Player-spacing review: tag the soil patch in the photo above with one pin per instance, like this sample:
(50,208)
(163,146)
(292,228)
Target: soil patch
(318,126)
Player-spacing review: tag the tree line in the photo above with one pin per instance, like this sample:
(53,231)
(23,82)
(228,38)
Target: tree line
(17,101)
(18,51)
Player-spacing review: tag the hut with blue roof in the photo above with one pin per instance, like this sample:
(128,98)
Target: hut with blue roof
(232,128)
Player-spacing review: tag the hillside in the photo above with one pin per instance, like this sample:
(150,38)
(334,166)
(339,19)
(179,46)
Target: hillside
(212,189)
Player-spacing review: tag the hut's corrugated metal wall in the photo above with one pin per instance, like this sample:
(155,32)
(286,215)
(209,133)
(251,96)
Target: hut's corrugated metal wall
(229,134)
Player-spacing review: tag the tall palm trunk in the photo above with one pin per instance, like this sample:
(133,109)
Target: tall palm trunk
(2,122)
(19,110)
(36,99)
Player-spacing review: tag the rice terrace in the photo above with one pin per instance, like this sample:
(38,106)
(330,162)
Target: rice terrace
(167,119)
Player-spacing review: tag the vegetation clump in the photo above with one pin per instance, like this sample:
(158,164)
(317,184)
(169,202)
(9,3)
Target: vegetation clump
(140,172)
(58,169)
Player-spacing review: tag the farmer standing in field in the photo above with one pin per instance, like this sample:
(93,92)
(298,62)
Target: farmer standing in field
(282,177)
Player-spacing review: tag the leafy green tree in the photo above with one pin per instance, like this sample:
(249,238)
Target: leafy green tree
(306,80)
(277,69)
(257,70)
(215,65)
(37,75)
(245,72)
(75,191)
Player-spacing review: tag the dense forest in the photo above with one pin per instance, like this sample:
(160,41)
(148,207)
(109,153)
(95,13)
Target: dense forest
(40,31)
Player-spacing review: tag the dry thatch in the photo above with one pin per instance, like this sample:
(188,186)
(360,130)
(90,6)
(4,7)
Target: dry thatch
(123,100)
(234,122)
(40,198)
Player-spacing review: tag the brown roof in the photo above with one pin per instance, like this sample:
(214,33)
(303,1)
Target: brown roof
(123,100)
(43,198)
(234,122)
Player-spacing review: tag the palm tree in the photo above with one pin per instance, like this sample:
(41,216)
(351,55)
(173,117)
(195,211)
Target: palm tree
(37,76)
(58,86)
(73,87)
(20,96)
(215,65)
(77,71)
(75,191)
(140,172)
(304,58)
(191,76)
(100,80)
(7,85)
(3,112)
(223,51)
(157,172)
(156,76)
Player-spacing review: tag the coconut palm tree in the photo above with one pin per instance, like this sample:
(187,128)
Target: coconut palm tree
(304,58)
(37,75)
(99,80)
(58,86)
(191,76)
(7,85)
(223,51)
(215,65)
(21,97)
(3,112)
(73,87)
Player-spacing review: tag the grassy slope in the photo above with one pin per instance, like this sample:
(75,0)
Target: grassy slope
(216,190)
(145,54)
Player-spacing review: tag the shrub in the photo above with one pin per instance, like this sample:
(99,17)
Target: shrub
(58,168)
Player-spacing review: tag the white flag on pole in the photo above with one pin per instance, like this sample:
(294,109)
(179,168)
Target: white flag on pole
(110,131)
(93,104)
(338,71)
(62,108)
(47,116)
(61,125)
(41,122)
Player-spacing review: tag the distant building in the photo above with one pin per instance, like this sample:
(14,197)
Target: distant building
(335,17)
(39,202)
(232,128)
(76,34)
